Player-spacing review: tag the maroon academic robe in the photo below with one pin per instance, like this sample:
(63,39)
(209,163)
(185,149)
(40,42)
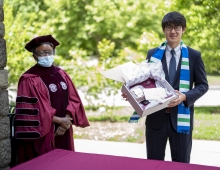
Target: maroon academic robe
(43,93)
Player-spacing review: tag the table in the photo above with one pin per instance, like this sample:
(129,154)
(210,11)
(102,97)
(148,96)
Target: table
(59,159)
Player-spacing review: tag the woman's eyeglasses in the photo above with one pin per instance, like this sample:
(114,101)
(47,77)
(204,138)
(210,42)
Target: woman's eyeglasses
(44,53)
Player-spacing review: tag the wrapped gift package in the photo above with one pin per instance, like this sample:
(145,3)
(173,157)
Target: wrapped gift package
(139,108)
(145,86)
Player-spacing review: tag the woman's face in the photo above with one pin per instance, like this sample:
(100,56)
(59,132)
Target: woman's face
(43,51)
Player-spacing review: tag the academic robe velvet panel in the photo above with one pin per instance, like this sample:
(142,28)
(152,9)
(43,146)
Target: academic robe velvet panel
(31,86)
(75,107)
(198,87)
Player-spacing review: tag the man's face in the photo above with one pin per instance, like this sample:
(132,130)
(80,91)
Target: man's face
(173,34)
(43,51)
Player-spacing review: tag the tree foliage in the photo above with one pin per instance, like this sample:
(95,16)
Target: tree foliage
(203,29)
(99,34)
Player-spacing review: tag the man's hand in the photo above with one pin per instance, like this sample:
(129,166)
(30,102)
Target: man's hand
(177,101)
(124,96)
(60,131)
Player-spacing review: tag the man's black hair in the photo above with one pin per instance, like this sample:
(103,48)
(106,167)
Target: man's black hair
(175,18)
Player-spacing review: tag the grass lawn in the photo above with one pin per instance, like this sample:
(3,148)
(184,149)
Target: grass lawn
(207,123)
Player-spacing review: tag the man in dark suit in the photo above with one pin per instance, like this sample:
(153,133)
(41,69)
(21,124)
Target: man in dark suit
(166,123)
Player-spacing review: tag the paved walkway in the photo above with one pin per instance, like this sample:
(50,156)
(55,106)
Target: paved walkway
(203,152)
(211,98)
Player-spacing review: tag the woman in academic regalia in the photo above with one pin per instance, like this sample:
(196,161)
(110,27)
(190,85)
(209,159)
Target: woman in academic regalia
(47,104)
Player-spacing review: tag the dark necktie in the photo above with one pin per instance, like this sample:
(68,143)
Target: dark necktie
(172,67)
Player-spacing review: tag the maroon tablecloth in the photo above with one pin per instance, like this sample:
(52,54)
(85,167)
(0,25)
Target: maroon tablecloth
(67,160)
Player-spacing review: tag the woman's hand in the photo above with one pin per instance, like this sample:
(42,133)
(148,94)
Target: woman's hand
(60,131)
(65,122)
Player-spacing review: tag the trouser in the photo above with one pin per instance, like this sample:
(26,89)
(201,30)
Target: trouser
(156,140)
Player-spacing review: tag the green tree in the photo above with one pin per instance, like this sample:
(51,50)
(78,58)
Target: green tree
(203,29)
(108,32)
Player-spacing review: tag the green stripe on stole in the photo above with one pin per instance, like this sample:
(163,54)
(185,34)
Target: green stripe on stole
(184,86)
(185,63)
(183,120)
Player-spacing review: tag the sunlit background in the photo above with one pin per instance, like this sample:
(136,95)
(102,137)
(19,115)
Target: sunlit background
(97,35)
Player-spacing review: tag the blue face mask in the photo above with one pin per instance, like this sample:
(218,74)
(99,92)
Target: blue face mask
(46,61)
